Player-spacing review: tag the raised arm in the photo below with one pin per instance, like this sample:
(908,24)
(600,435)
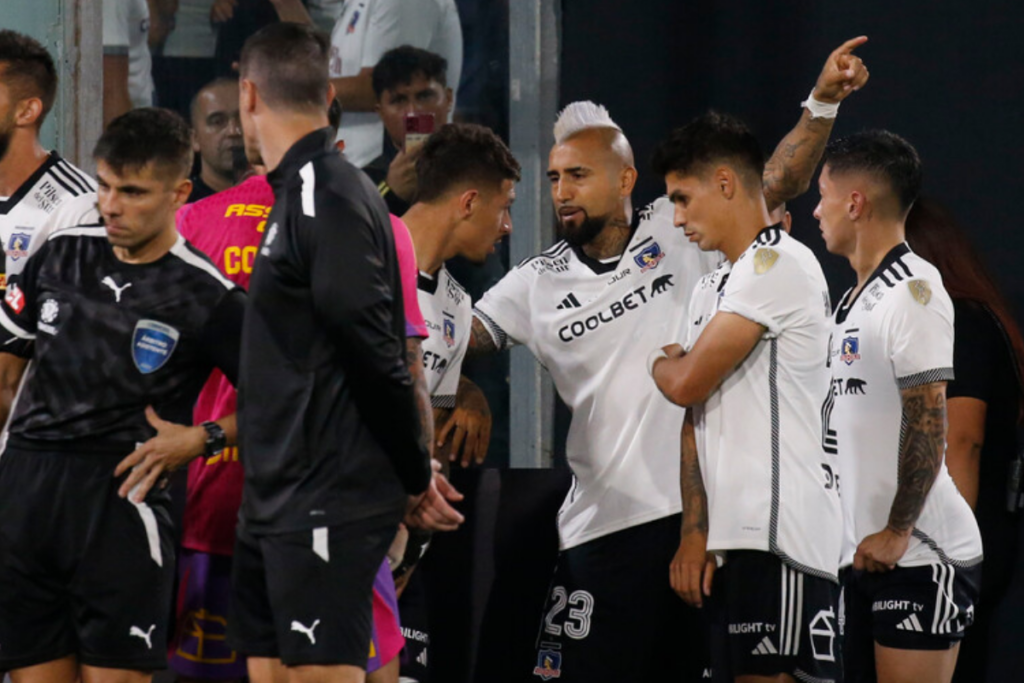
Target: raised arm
(924,440)
(788,173)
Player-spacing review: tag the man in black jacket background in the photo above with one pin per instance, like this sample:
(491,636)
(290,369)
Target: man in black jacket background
(334,449)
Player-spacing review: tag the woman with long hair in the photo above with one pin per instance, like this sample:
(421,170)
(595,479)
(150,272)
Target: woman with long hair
(985,405)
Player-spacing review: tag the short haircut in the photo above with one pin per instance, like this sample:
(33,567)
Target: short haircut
(143,136)
(710,139)
(580,116)
(28,70)
(288,63)
(460,153)
(883,155)
(193,107)
(402,64)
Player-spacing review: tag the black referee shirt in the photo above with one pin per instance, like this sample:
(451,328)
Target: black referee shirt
(108,338)
(328,421)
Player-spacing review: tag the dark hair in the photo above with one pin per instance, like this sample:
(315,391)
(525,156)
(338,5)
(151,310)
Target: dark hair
(461,153)
(709,139)
(934,235)
(143,136)
(28,70)
(288,63)
(402,64)
(194,104)
(882,154)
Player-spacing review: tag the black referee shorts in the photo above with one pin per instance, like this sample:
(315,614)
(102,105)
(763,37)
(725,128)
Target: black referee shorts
(306,597)
(612,616)
(82,571)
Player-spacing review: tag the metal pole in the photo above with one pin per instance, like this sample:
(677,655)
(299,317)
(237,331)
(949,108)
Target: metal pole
(80,120)
(534,33)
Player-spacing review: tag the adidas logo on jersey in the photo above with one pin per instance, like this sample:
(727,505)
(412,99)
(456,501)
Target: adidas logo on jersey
(765,647)
(911,623)
(569,302)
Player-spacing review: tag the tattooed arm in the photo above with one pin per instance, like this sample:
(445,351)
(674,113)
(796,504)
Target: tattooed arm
(693,566)
(924,441)
(414,359)
(480,340)
(788,173)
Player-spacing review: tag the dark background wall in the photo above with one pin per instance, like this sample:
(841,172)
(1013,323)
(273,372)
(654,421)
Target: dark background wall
(948,75)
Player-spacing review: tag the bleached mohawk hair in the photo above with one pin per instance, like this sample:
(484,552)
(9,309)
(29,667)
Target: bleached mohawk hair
(580,116)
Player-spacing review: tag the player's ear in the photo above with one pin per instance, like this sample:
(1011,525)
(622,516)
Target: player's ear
(28,111)
(182,190)
(247,96)
(468,201)
(857,206)
(724,180)
(627,180)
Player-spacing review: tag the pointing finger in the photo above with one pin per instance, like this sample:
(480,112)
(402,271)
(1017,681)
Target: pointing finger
(851,45)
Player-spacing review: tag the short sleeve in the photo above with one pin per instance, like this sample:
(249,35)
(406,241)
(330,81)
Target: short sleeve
(115,27)
(767,287)
(919,329)
(976,352)
(443,396)
(505,309)
(415,325)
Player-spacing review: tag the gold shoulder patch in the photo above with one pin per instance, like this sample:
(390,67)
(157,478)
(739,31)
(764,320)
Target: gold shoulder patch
(764,260)
(921,291)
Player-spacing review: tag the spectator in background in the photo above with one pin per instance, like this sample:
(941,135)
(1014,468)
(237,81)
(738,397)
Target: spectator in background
(217,135)
(324,13)
(127,66)
(184,62)
(985,403)
(361,36)
(406,80)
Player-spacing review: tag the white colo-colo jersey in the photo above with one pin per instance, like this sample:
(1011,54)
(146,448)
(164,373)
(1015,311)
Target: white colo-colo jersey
(126,32)
(58,195)
(448,312)
(592,325)
(897,333)
(770,485)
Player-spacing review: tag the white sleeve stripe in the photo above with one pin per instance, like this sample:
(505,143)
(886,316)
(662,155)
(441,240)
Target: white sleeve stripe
(13,327)
(308,176)
(80,231)
(181,250)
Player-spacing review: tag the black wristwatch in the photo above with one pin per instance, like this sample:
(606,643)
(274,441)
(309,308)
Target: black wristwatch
(216,439)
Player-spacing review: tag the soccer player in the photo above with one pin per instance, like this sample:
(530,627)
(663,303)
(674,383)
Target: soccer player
(328,415)
(39,191)
(583,307)
(405,80)
(123,322)
(758,489)
(218,138)
(912,540)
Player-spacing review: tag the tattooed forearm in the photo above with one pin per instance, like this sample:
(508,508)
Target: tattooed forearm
(414,359)
(788,173)
(480,340)
(924,440)
(691,483)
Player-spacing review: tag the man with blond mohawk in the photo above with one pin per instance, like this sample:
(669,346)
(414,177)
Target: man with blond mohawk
(589,308)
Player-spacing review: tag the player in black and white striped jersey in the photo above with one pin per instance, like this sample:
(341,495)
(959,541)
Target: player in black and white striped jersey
(39,191)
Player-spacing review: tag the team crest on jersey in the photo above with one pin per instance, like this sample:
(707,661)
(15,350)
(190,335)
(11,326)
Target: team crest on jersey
(449,332)
(17,245)
(549,665)
(152,345)
(764,260)
(851,350)
(921,291)
(649,257)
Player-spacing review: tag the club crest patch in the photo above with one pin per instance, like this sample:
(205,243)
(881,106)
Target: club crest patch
(921,291)
(449,332)
(17,245)
(152,345)
(549,665)
(649,257)
(764,260)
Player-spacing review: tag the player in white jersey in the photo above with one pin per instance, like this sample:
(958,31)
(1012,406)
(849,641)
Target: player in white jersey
(127,64)
(583,307)
(754,474)
(40,192)
(912,539)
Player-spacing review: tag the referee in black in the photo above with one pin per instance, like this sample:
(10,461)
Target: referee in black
(334,450)
(123,321)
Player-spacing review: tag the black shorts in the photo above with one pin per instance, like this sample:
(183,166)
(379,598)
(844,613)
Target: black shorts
(412,606)
(82,571)
(909,608)
(611,614)
(769,619)
(306,597)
